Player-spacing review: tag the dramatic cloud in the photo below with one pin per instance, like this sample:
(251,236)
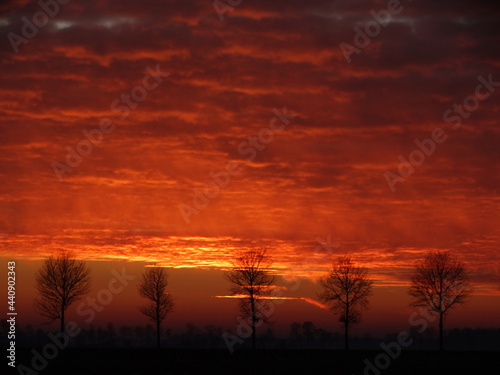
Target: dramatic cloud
(169,95)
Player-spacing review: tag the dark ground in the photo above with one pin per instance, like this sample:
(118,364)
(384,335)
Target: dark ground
(93,361)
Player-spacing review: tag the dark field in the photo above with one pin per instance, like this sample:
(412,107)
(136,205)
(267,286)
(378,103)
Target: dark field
(128,361)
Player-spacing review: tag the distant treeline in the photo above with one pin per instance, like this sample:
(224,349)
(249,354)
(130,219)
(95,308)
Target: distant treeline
(301,336)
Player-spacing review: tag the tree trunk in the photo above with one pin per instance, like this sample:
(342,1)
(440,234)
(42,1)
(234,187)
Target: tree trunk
(252,300)
(346,326)
(346,334)
(158,334)
(62,320)
(441,344)
(158,328)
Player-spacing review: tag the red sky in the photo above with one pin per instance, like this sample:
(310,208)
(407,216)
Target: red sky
(323,175)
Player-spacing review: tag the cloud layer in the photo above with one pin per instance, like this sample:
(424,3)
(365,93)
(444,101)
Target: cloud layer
(322,174)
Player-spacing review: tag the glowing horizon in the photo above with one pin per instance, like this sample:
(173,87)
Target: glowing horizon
(291,259)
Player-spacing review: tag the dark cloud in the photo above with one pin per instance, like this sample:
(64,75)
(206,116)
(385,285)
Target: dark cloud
(353,120)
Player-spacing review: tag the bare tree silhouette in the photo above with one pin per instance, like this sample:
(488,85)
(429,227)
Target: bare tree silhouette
(251,281)
(439,283)
(346,289)
(153,286)
(61,281)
